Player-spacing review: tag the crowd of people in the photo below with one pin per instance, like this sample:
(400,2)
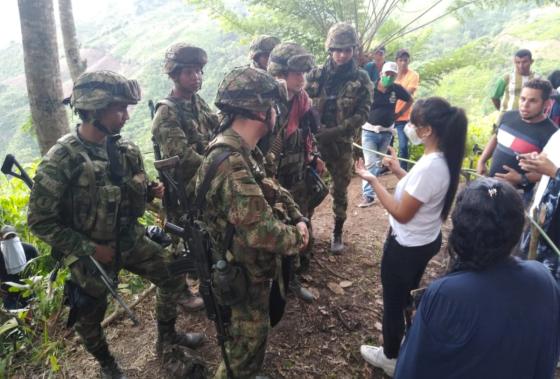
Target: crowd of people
(251,175)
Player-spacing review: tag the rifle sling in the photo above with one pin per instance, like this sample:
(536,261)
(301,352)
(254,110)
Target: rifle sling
(200,200)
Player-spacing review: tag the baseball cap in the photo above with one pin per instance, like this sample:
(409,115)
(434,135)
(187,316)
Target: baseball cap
(390,67)
(8,231)
(401,53)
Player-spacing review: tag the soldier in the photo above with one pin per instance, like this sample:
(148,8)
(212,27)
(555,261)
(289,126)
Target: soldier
(260,49)
(342,94)
(241,212)
(90,189)
(184,124)
(293,145)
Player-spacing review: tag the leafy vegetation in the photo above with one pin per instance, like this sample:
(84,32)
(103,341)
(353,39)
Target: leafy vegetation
(458,58)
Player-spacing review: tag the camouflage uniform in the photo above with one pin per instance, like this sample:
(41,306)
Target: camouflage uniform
(343,96)
(261,45)
(291,151)
(240,194)
(184,127)
(77,203)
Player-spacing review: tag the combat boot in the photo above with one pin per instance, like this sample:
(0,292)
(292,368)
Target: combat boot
(168,335)
(337,246)
(109,367)
(300,291)
(190,303)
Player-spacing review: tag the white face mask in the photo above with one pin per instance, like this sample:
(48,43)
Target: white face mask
(14,255)
(412,135)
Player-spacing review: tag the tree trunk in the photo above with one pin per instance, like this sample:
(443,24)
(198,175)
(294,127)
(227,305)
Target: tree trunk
(42,71)
(76,65)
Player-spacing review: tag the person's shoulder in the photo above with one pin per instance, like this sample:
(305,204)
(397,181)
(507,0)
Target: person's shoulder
(363,76)
(202,103)
(64,149)
(166,110)
(550,126)
(129,147)
(510,116)
(315,73)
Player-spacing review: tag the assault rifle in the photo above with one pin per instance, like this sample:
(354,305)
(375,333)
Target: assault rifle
(174,198)
(199,256)
(7,168)
(220,315)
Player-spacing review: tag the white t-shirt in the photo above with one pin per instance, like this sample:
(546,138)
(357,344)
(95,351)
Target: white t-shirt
(427,182)
(552,150)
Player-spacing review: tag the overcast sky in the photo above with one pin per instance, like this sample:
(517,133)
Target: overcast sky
(83,9)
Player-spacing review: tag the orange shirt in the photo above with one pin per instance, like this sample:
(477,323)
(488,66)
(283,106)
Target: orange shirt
(410,82)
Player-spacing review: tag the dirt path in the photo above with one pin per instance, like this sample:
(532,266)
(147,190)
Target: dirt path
(320,340)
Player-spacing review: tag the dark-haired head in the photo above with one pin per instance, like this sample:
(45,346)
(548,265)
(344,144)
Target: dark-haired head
(487,223)
(542,85)
(554,78)
(521,53)
(450,127)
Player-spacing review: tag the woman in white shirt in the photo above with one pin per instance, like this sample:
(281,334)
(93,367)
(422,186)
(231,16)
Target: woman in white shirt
(422,201)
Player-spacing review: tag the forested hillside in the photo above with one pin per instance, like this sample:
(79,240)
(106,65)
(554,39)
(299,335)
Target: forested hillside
(458,57)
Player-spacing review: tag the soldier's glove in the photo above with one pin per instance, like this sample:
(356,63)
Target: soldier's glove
(326,135)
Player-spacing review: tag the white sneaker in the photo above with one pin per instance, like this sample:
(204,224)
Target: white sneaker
(376,357)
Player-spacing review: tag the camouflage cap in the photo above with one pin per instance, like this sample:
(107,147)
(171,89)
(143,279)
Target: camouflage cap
(249,89)
(340,36)
(182,55)
(98,89)
(262,45)
(289,56)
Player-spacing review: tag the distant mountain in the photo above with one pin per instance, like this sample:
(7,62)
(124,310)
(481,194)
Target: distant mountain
(458,58)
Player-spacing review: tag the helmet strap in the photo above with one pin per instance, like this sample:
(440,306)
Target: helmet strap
(102,128)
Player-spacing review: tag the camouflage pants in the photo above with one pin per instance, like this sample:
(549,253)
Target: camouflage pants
(299,193)
(339,160)
(146,259)
(248,331)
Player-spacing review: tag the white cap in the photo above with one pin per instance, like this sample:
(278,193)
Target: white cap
(390,67)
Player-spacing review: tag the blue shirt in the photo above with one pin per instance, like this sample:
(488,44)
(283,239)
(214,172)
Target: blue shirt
(503,322)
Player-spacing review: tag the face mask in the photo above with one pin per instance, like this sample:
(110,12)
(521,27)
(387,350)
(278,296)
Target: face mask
(14,255)
(412,134)
(387,81)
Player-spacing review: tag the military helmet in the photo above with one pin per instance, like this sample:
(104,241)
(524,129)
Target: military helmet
(249,89)
(98,89)
(182,55)
(262,45)
(289,56)
(341,36)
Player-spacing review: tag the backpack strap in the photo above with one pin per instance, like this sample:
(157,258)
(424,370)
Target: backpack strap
(200,200)
(171,103)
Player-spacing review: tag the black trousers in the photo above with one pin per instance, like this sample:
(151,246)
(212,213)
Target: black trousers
(401,271)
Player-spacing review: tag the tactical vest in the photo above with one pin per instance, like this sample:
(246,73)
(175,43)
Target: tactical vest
(94,205)
(337,103)
(266,264)
(194,128)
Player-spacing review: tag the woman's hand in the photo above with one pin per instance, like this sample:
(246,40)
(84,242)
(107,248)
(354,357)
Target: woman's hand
(363,172)
(393,162)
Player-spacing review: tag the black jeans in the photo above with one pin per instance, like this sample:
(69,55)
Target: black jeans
(401,271)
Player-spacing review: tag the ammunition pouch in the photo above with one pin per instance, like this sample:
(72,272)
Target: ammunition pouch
(136,189)
(230,285)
